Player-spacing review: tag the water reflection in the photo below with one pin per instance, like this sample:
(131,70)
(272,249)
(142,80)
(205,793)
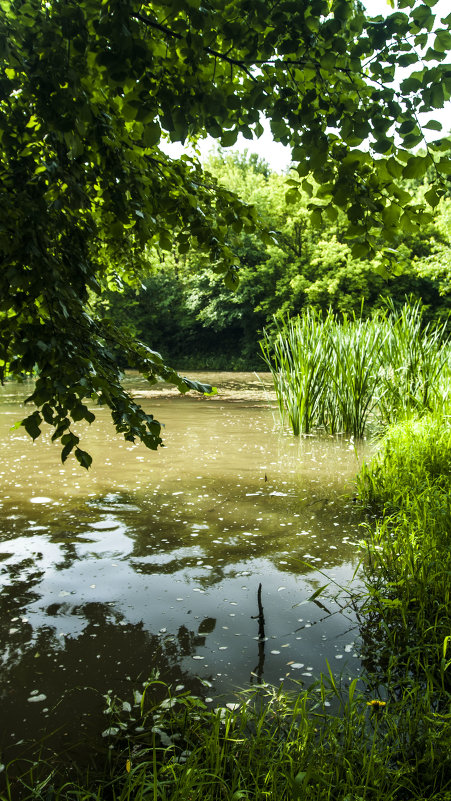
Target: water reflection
(153,561)
(54,690)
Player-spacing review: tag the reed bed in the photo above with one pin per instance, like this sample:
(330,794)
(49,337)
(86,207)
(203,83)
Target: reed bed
(339,375)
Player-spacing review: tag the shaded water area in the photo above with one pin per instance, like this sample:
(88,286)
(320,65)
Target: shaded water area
(152,561)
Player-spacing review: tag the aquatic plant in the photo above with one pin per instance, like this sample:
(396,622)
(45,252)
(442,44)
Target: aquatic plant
(338,374)
(300,354)
(356,346)
(415,358)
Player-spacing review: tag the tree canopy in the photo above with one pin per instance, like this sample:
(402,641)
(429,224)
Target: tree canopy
(89,90)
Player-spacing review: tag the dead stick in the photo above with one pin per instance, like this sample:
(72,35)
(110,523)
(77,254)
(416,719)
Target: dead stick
(261,617)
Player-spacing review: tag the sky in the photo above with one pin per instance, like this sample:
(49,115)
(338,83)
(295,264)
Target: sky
(279,156)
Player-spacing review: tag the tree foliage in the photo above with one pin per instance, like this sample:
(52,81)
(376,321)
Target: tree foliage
(89,90)
(199,323)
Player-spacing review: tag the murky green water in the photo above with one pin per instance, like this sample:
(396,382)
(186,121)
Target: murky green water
(152,561)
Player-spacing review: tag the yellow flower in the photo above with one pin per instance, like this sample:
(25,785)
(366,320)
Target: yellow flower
(375,704)
(128,766)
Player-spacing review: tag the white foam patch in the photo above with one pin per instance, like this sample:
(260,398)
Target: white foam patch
(41,499)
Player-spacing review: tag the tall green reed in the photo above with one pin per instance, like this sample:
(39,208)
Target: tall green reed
(356,347)
(339,375)
(299,353)
(414,358)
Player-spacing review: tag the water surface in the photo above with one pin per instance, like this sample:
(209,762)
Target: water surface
(152,561)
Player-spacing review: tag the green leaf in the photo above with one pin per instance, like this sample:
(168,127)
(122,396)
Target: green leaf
(412,84)
(408,59)
(437,96)
(394,167)
(331,212)
(317,592)
(444,166)
(151,134)
(83,458)
(31,425)
(128,112)
(359,250)
(432,197)
(391,214)
(442,40)
(416,167)
(213,128)
(292,196)
(411,140)
(382,145)
(316,218)
(423,17)
(165,241)
(229,138)
(246,132)
(407,126)
(298,153)
(231,279)
(280,129)
(69,441)
(433,125)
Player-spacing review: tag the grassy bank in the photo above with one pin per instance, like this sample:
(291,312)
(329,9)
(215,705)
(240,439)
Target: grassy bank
(408,485)
(390,742)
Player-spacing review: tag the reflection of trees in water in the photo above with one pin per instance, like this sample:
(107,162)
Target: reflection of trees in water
(74,673)
(265,539)
(153,528)
(15,596)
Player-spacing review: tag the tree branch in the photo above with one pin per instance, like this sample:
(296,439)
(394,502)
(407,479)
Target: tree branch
(222,56)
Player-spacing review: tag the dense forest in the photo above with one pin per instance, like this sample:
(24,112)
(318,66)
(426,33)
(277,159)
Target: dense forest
(185,311)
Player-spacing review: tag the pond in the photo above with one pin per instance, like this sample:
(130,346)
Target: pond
(152,561)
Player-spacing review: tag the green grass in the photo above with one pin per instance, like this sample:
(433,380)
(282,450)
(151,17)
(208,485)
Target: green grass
(338,375)
(408,486)
(270,746)
(298,360)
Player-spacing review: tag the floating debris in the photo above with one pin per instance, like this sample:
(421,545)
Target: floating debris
(36,697)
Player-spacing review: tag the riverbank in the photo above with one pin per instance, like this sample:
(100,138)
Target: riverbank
(388,743)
